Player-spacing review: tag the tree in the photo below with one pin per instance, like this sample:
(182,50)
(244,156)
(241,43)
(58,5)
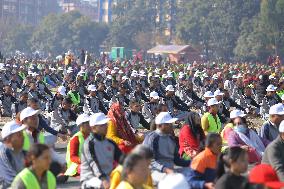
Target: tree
(133,17)
(56,33)
(18,38)
(214,24)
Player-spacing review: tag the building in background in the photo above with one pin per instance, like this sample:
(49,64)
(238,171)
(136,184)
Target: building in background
(87,8)
(26,11)
(105,10)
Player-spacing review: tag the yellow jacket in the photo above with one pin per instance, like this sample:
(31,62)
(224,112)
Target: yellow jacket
(115,178)
(126,185)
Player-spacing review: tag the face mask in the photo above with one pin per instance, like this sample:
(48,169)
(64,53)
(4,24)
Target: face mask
(241,128)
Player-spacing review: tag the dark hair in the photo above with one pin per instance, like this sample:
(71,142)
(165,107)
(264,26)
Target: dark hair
(233,153)
(133,101)
(67,100)
(32,100)
(36,150)
(144,151)
(211,138)
(129,163)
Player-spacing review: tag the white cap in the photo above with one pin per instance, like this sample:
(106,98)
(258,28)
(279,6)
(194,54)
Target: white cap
(112,72)
(100,71)
(281,127)
(82,119)
(120,72)
(277,109)
(164,76)
(218,93)
(98,119)
(154,95)
(70,68)
(164,117)
(69,71)
(173,181)
(271,88)
(133,74)
(237,113)
(28,112)
(208,94)
(170,88)
(212,101)
(11,128)
(62,90)
(215,76)
(170,75)
(124,78)
(116,68)
(271,77)
(92,88)
(109,77)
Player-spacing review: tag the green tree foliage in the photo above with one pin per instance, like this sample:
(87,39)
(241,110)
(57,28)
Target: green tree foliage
(215,24)
(56,33)
(133,18)
(18,38)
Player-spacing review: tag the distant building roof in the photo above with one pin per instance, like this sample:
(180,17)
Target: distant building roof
(170,49)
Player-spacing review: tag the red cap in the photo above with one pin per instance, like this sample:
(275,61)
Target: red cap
(266,175)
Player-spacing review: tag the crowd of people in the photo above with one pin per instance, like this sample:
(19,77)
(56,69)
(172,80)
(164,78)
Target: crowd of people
(141,124)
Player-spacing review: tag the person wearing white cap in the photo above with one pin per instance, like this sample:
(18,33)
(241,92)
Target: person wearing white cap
(92,102)
(57,98)
(12,156)
(223,111)
(75,145)
(230,126)
(98,154)
(274,153)
(150,108)
(30,120)
(164,147)
(269,129)
(210,121)
(270,99)
(173,101)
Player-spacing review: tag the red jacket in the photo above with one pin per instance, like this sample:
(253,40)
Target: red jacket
(187,141)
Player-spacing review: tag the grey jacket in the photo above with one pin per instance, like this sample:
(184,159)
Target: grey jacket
(274,156)
(165,151)
(97,157)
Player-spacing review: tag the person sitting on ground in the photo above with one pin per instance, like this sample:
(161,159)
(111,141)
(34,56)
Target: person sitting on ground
(270,128)
(75,146)
(134,117)
(12,156)
(99,155)
(135,172)
(115,176)
(165,148)
(191,137)
(120,131)
(204,165)
(248,139)
(236,159)
(37,174)
(274,153)
(210,121)
(229,127)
